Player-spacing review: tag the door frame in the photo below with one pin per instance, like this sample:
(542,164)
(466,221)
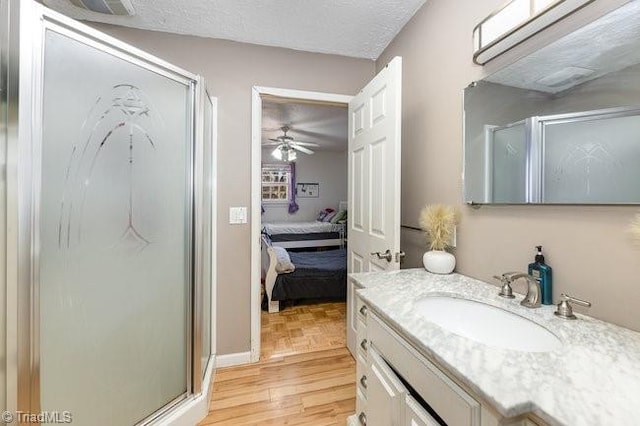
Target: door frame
(257,93)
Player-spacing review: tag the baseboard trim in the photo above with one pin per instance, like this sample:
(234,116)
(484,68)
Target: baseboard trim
(195,408)
(229,360)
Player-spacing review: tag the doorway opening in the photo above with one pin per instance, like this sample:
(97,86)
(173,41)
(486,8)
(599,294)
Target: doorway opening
(299,173)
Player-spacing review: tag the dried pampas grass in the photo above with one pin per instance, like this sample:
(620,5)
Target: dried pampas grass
(439,222)
(634,229)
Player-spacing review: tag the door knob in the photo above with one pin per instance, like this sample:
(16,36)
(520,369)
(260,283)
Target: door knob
(400,255)
(386,255)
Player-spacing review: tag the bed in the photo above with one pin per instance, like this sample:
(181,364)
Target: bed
(317,275)
(307,234)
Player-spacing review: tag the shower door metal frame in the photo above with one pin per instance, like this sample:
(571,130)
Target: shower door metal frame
(30,22)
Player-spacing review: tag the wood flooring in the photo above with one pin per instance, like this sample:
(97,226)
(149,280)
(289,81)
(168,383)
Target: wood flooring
(303,328)
(306,376)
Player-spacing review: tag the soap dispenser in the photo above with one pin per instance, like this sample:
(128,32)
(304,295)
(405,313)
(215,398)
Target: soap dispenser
(542,273)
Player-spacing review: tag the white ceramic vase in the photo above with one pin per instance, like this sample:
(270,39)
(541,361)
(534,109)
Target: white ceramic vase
(439,261)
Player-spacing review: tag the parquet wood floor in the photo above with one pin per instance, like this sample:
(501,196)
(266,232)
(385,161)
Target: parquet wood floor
(303,328)
(301,379)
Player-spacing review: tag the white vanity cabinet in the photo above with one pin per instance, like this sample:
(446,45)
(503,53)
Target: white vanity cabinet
(352,315)
(385,393)
(388,400)
(415,414)
(397,386)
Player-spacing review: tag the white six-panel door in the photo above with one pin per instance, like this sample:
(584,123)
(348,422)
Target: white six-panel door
(374,180)
(374,172)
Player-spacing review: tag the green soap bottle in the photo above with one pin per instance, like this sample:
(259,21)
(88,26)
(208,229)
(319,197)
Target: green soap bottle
(543,273)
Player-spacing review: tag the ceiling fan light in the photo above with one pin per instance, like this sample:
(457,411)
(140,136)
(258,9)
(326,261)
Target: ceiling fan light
(293,156)
(277,153)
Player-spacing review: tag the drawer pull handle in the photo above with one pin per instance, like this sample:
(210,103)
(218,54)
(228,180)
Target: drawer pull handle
(363,381)
(362,418)
(363,344)
(363,310)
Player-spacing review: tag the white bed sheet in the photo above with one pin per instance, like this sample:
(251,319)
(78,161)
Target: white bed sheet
(300,227)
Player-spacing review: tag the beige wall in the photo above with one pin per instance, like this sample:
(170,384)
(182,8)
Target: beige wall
(328,169)
(588,247)
(231,69)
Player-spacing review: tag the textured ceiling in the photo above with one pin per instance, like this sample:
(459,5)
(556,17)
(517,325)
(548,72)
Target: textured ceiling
(608,44)
(357,28)
(325,125)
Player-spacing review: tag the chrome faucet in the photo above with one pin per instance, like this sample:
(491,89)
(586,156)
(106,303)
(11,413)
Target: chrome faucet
(564,308)
(532,298)
(505,291)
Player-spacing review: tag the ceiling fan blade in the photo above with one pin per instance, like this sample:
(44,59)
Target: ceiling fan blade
(305,143)
(301,149)
(332,139)
(275,139)
(271,143)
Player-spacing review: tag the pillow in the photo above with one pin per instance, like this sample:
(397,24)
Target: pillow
(323,214)
(329,216)
(341,215)
(284,265)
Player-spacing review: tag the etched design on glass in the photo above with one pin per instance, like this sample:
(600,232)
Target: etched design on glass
(585,162)
(124,115)
(510,150)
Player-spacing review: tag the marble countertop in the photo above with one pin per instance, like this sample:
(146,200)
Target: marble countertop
(593,379)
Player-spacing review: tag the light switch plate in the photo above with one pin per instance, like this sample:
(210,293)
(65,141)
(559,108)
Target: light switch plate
(237,215)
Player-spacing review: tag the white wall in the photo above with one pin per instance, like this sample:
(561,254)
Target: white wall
(329,169)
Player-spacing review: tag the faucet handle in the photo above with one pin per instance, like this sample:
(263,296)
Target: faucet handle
(505,291)
(564,308)
(509,275)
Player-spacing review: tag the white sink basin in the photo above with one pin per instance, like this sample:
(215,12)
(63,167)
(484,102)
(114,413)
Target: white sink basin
(487,324)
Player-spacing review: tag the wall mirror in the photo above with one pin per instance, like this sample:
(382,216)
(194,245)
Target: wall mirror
(562,125)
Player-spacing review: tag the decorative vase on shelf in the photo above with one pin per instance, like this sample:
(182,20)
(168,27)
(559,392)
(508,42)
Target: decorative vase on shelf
(439,261)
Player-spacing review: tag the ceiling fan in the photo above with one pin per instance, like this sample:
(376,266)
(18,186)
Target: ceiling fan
(286,146)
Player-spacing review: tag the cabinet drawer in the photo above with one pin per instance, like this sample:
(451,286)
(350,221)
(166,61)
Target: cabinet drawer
(361,309)
(360,325)
(415,415)
(361,371)
(449,400)
(361,406)
(362,343)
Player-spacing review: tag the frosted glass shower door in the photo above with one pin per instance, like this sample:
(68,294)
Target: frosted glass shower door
(508,169)
(115,233)
(592,160)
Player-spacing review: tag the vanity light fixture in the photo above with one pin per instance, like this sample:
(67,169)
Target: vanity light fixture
(108,7)
(515,22)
